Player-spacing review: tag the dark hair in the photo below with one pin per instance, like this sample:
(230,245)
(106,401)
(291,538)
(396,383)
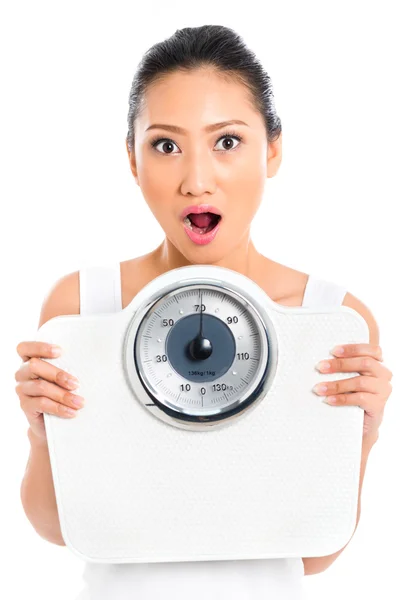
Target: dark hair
(195,47)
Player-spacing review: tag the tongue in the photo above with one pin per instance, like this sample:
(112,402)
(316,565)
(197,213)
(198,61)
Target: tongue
(201,219)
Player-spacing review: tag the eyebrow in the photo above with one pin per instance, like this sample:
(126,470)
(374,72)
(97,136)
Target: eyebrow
(208,128)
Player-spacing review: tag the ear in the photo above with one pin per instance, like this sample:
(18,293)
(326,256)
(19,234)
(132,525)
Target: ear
(274,156)
(132,162)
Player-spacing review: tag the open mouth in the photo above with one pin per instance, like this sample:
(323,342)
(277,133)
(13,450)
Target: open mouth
(202,222)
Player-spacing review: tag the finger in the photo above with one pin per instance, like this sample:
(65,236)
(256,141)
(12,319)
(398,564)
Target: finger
(389,373)
(41,387)
(363,364)
(36,367)
(360,383)
(41,349)
(364,400)
(359,350)
(34,407)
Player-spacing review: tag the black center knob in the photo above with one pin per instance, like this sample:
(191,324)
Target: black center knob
(200,348)
(185,353)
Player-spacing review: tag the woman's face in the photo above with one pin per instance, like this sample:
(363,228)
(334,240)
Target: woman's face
(197,165)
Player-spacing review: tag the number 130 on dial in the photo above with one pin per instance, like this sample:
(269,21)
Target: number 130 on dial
(201,352)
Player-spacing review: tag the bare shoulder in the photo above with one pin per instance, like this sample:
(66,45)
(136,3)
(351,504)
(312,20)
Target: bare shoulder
(356,304)
(135,274)
(283,284)
(294,285)
(62,298)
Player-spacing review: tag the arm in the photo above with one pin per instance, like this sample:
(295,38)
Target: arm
(318,564)
(37,493)
(37,488)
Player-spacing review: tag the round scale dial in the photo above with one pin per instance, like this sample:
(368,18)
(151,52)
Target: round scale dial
(201,353)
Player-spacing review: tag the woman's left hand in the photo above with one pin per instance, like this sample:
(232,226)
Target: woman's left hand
(369,390)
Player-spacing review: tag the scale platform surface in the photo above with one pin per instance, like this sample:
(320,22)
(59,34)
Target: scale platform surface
(201,437)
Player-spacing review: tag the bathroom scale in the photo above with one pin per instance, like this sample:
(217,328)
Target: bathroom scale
(201,437)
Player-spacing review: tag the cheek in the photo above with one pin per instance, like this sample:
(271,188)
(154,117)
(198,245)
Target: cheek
(156,177)
(244,191)
(156,181)
(158,187)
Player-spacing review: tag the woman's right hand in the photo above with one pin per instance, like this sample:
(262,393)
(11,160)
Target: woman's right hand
(43,387)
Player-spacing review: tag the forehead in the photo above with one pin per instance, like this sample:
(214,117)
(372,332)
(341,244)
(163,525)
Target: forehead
(195,99)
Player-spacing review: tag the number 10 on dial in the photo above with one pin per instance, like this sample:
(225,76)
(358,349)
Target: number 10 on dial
(201,353)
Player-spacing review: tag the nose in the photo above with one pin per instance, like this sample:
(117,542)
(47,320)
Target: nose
(199,173)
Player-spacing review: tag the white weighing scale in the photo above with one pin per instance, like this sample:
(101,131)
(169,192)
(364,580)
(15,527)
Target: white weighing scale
(201,437)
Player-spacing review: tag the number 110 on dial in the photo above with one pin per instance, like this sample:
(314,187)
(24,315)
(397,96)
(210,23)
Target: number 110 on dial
(201,350)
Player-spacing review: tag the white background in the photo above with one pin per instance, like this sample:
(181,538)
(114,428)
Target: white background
(68,199)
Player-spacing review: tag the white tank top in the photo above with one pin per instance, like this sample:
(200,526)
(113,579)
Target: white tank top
(247,579)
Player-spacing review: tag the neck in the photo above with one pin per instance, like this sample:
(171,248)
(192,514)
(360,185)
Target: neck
(244,258)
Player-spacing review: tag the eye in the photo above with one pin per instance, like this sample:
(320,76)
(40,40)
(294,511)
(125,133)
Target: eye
(228,136)
(167,143)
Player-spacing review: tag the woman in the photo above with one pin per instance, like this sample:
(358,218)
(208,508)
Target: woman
(203,136)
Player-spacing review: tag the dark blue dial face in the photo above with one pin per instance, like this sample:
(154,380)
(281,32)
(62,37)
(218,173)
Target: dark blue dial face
(201,351)
(191,365)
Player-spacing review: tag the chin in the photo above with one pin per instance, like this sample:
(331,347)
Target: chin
(213,252)
(206,255)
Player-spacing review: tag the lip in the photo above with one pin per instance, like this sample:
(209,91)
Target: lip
(199,208)
(201,238)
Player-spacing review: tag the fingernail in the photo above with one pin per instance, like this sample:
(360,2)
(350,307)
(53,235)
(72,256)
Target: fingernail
(319,388)
(72,382)
(78,401)
(55,350)
(323,365)
(70,411)
(337,350)
(330,400)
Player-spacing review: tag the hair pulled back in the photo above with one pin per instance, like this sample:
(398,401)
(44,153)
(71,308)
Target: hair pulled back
(214,46)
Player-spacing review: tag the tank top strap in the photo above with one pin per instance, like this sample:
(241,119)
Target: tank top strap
(321,292)
(100,289)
